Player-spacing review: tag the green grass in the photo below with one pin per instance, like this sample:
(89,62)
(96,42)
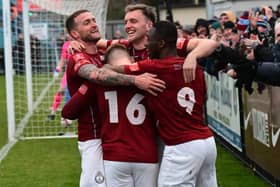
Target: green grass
(56,163)
(231,172)
(42,163)
(3,112)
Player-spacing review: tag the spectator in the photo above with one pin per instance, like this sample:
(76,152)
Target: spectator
(118,35)
(188,32)
(243,24)
(202,28)
(227,16)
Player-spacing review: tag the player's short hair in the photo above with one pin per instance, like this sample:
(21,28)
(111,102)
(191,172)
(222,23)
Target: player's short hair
(70,23)
(147,11)
(109,55)
(167,32)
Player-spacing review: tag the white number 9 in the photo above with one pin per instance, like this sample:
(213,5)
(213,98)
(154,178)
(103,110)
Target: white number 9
(183,102)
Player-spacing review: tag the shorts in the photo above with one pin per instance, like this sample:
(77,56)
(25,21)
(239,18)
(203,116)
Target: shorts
(130,174)
(92,174)
(190,164)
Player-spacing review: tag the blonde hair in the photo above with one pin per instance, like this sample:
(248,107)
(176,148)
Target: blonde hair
(147,11)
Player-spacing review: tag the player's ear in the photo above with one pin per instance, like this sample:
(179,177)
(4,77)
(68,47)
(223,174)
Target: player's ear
(149,25)
(74,34)
(161,43)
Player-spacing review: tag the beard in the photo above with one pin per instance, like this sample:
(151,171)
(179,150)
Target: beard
(90,39)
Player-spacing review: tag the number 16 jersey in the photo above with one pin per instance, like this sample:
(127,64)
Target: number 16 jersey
(128,130)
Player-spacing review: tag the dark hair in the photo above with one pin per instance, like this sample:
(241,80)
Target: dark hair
(167,32)
(148,11)
(229,25)
(70,23)
(178,25)
(111,49)
(200,22)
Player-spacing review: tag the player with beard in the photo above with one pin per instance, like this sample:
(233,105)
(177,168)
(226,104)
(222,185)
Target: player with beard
(86,65)
(139,19)
(127,128)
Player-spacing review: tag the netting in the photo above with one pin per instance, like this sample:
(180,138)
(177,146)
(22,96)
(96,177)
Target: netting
(66,7)
(47,34)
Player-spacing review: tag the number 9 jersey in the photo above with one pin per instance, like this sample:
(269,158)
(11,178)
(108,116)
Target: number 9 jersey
(179,108)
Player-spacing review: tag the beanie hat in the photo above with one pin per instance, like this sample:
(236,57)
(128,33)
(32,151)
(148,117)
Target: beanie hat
(262,22)
(216,25)
(243,21)
(229,25)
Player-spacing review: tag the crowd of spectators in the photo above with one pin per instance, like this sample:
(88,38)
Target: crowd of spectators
(254,35)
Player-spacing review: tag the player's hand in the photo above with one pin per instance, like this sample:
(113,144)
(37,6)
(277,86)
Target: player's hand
(231,73)
(149,83)
(189,68)
(56,72)
(75,46)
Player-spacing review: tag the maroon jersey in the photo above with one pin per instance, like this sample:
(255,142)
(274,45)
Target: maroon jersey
(128,131)
(142,54)
(179,108)
(87,127)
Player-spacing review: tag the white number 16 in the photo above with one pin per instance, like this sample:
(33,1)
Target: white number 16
(135,111)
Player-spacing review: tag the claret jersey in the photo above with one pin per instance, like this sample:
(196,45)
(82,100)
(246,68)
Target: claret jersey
(128,129)
(179,108)
(87,126)
(142,54)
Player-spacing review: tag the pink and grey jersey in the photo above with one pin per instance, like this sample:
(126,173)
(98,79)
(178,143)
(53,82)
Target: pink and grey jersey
(128,129)
(179,108)
(142,54)
(87,127)
(64,51)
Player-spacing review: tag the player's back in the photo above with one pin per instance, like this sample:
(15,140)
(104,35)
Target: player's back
(128,130)
(180,107)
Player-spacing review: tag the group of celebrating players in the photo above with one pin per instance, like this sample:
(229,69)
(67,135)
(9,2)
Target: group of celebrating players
(147,85)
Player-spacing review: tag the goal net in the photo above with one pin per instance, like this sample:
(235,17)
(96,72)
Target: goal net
(38,97)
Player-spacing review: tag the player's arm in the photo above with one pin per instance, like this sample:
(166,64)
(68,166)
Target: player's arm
(119,69)
(198,48)
(266,72)
(105,76)
(103,43)
(78,102)
(78,47)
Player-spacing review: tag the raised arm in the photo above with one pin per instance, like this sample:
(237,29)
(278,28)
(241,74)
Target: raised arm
(77,46)
(266,72)
(198,48)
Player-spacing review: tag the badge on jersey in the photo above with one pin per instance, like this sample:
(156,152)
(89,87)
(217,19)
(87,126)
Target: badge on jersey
(83,89)
(180,43)
(80,59)
(133,67)
(123,42)
(78,56)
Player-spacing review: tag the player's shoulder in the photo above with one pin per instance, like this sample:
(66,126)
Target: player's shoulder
(181,43)
(66,44)
(77,56)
